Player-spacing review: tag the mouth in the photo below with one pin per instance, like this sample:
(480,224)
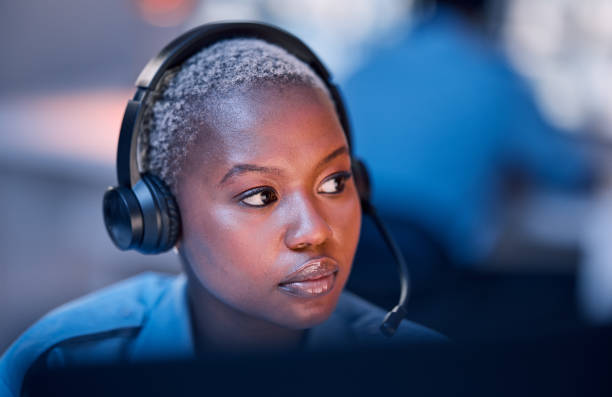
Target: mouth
(314,278)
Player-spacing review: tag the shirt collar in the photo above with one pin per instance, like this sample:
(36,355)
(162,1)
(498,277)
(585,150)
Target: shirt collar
(166,332)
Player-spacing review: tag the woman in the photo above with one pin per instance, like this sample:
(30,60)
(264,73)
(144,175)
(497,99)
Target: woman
(247,139)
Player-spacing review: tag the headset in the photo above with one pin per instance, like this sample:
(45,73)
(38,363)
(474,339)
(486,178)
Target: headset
(141,213)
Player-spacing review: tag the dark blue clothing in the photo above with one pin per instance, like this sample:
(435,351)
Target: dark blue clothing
(147,317)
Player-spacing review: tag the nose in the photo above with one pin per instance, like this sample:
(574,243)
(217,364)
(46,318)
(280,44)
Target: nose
(308,228)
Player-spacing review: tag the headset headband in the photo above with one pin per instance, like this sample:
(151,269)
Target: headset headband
(184,47)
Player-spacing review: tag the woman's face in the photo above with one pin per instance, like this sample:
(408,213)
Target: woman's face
(270,214)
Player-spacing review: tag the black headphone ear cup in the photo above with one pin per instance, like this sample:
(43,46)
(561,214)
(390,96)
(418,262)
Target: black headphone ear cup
(123,217)
(169,215)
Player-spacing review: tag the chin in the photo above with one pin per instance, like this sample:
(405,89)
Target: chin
(311,314)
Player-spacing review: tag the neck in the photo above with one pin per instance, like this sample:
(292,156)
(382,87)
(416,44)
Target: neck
(219,327)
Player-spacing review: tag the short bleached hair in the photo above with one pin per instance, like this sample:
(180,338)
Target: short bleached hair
(176,111)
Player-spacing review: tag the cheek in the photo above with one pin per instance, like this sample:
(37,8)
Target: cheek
(345,221)
(230,253)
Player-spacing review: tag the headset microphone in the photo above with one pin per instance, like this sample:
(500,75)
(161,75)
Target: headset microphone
(141,213)
(393,319)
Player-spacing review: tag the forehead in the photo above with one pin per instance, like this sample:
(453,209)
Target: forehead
(272,125)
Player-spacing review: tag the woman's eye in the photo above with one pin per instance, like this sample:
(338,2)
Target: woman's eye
(334,184)
(259,197)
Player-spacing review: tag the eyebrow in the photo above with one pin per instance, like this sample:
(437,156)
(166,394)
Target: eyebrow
(240,169)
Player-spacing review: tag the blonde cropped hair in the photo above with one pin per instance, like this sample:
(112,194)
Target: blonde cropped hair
(179,105)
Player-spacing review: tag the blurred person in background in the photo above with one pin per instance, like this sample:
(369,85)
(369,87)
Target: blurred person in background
(445,125)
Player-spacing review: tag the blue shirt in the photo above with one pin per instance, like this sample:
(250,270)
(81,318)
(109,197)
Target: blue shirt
(147,317)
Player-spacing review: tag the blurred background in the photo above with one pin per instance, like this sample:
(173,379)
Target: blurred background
(486,125)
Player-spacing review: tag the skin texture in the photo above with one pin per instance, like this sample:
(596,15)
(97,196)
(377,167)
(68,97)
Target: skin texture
(234,255)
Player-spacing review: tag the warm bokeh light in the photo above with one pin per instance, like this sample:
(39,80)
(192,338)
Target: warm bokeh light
(82,125)
(165,12)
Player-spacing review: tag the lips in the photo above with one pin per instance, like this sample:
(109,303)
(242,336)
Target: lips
(312,279)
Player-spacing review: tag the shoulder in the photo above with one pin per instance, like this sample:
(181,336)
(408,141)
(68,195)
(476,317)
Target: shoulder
(102,320)
(363,320)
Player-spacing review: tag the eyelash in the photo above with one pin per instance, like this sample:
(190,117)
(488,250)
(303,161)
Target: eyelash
(341,178)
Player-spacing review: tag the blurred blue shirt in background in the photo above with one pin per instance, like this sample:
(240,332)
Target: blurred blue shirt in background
(438,118)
